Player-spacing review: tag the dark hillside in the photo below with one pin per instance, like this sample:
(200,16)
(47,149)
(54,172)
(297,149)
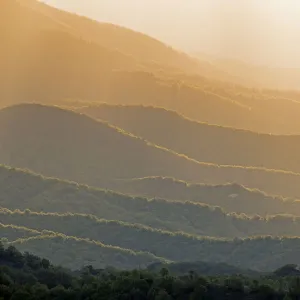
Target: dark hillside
(210,222)
(76,253)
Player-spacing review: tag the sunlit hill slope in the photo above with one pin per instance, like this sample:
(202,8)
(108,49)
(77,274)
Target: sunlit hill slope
(50,55)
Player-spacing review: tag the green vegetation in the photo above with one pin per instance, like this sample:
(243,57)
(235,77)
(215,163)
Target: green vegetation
(205,268)
(26,276)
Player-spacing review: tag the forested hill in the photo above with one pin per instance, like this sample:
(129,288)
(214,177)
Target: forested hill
(26,276)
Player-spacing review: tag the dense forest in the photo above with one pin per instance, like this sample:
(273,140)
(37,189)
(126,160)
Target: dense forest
(27,276)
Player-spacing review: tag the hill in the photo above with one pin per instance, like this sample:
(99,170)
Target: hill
(37,61)
(76,253)
(79,148)
(202,141)
(13,232)
(171,245)
(38,65)
(39,42)
(23,190)
(264,76)
(231,197)
(248,253)
(29,276)
(201,268)
(141,46)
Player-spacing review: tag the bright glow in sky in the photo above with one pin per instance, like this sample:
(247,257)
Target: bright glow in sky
(261,31)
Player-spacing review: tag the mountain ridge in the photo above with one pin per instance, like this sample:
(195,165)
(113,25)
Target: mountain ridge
(79,148)
(202,141)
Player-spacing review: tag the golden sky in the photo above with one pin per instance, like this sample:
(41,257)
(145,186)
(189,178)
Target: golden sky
(260,31)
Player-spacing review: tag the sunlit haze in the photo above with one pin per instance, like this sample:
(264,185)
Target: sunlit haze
(149,149)
(264,32)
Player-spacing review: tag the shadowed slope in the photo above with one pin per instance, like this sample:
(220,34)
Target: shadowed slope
(138,237)
(61,143)
(75,253)
(21,190)
(10,232)
(231,197)
(245,253)
(202,141)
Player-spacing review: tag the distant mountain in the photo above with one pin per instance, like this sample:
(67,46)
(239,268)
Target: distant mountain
(203,141)
(48,56)
(231,197)
(37,60)
(263,76)
(138,45)
(66,55)
(79,148)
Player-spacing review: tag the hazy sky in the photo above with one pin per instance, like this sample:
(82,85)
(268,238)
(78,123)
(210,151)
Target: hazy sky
(261,31)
